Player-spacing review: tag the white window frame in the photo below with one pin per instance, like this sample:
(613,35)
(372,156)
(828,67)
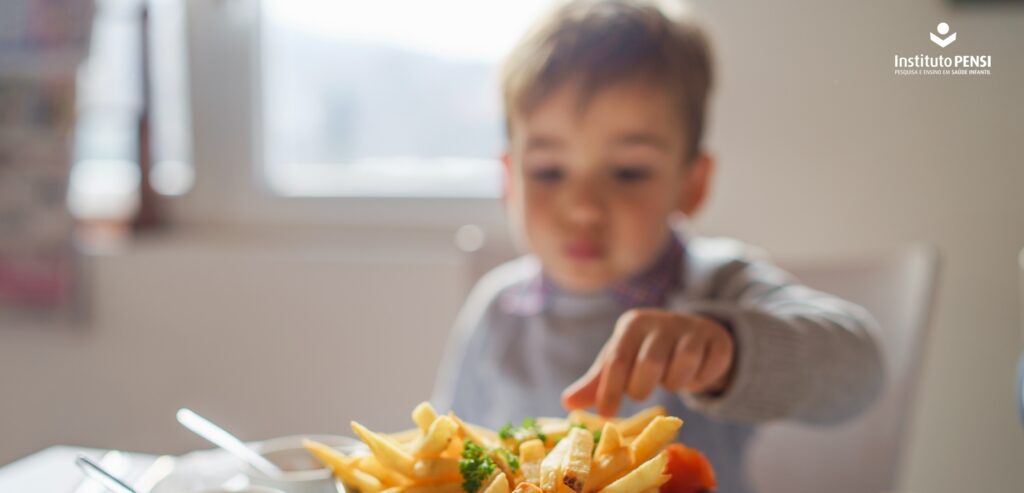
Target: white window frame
(225,78)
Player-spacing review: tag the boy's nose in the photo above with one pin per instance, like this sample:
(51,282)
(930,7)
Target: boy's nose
(584,206)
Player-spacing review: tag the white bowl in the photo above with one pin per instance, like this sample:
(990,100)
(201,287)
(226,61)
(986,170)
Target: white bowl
(303,473)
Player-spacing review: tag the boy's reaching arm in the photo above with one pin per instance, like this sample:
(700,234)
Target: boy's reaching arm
(749,344)
(650,346)
(800,353)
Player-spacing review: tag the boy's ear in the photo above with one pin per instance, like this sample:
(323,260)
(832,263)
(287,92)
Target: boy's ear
(506,182)
(696,184)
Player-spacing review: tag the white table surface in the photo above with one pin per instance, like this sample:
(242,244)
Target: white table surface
(53,470)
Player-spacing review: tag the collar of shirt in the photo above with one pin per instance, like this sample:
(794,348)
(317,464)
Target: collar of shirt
(650,288)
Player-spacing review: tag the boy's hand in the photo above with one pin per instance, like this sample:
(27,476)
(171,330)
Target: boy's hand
(651,347)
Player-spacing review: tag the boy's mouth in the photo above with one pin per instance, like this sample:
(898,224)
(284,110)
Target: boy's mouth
(584,251)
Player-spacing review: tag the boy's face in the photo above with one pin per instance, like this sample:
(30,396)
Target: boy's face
(591,191)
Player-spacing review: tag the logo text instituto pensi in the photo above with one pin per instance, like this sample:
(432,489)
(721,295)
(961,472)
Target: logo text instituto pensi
(925,64)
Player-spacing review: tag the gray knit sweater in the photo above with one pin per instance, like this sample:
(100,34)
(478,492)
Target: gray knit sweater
(801,354)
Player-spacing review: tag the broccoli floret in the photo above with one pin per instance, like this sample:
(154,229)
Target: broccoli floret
(528,429)
(530,424)
(506,432)
(475,467)
(513,461)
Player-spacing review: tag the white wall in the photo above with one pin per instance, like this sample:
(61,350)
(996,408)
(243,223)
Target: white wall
(823,149)
(275,333)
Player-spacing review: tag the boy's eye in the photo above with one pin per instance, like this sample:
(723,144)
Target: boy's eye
(631,174)
(546,174)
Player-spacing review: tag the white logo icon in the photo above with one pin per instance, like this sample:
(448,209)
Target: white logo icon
(943,28)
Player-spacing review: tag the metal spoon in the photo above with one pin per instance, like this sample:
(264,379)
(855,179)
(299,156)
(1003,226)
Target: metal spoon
(100,474)
(114,462)
(221,438)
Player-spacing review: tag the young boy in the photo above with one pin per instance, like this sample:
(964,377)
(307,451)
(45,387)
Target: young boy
(605,105)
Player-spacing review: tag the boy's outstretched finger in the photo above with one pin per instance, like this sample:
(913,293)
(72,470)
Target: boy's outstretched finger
(686,360)
(583,392)
(650,364)
(611,387)
(618,366)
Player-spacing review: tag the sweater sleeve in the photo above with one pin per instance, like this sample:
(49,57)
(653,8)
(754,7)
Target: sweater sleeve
(801,354)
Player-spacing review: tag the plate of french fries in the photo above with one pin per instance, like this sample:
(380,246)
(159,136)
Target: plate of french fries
(581,453)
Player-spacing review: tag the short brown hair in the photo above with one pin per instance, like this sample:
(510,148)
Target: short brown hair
(600,42)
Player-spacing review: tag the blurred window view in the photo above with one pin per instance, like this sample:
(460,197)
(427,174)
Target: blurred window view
(132,110)
(172,172)
(390,98)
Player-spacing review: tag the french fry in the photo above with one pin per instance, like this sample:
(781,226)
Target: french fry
(437,438)
(531,453)
(590,420)
(426,459)
(576,464)
(634,424)
(498,485)
(424,415)
(454,450)
(437,470)
(611,458)
(503,464)
(387,451)
(658,433)
(370,464)
(530,471)
(554,429)
(433,488)
(405,437)
(527,488)
(611,440)
(552,465)
(472,433)
(391,455)
(648,475)
(608,467)
(343,467)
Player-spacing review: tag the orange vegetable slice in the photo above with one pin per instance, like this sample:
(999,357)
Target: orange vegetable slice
(690,470)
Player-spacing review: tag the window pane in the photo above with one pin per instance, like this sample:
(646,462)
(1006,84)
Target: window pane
(385,98)
(172,172)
